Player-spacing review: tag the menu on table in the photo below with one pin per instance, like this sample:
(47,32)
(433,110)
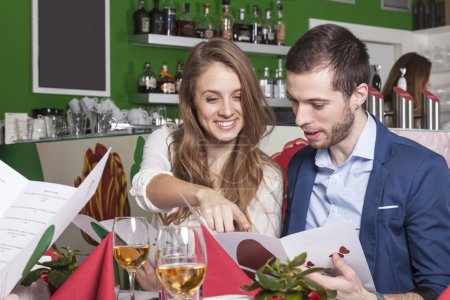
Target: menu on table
(33,215)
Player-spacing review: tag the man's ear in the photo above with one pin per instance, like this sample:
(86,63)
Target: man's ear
(359,95)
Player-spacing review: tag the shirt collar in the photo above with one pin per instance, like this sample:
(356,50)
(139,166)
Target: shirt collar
(364,148)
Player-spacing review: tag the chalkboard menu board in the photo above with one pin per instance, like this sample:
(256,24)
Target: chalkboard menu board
(71,47)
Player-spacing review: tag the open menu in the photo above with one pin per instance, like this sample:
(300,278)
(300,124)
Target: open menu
(251,250)
(33,215)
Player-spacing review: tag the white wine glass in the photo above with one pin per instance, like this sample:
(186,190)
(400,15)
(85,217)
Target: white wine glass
(131,245)
(180,260)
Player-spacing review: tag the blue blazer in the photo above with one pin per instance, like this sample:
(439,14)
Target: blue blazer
(408,246)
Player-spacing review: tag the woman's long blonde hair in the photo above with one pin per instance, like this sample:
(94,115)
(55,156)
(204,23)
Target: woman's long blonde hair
(242,173)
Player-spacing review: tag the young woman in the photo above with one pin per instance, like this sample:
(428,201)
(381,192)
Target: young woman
(417,76)
(213,159)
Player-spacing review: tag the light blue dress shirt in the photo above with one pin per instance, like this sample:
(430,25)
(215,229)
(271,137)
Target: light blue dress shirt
(338,192)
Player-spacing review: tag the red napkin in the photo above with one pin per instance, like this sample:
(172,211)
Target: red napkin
(445,295)
(223,275)
(94,278)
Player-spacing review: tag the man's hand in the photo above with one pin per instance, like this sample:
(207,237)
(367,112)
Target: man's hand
(146,277)
(220,214)
(348,285)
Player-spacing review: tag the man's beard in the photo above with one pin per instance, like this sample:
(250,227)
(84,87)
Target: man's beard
(340,130)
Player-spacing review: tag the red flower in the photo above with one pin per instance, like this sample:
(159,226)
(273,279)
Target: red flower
(313,296)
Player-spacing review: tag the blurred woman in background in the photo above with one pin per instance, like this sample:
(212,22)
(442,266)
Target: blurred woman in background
(418,69)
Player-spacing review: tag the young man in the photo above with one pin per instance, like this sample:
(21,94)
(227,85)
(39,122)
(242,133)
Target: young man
(396,192)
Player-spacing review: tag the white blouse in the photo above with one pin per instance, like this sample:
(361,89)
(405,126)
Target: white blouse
(264,211)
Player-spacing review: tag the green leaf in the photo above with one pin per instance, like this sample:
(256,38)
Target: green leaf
(311,285)
(266,295)
(331,293)
(255,285)
(33,276)
(58,277)
(310,270)
(298,260)
(267,283)
(293,296)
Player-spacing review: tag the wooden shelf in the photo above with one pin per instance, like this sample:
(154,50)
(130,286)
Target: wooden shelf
(157,98)
(158,40)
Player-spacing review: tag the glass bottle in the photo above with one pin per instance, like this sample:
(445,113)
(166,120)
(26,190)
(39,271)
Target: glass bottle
(280,25)
(141,19)
(432,19)
(419,15)
(376,79)
(205,27)
(268,32)
(256,26)
(185,24)
(279,85)
(166,82)
(179,76)
(156,19)
(226,22)
(169,17)
(242,31)
(266,84)
(147,80)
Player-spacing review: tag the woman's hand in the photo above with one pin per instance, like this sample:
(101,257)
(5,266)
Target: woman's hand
(146,277)
(220,214)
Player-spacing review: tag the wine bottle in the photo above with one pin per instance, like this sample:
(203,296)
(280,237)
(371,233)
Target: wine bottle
(147,80)
(226,21)
(185,24)
(166,82)
(256,26)
(205,27)
(141,19)
(280,25)
(242,31)
(156,19)
(268,32)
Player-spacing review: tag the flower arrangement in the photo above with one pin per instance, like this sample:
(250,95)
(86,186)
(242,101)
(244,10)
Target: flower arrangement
(286,281)
(55,272)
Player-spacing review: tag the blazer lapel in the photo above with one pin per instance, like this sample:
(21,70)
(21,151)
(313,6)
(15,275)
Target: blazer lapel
(374,193)
(303,189)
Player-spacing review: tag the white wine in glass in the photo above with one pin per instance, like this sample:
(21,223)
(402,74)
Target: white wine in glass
(131,245)
(181,260)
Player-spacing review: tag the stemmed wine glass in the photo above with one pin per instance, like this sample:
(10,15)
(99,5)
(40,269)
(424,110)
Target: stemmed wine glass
(180,260)
(131,245)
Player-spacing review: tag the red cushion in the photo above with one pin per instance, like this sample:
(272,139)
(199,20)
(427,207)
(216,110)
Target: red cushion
(282,158)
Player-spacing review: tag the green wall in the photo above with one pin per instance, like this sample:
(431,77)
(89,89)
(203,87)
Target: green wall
(127,60)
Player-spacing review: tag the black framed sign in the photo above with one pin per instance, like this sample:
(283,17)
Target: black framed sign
(71,54)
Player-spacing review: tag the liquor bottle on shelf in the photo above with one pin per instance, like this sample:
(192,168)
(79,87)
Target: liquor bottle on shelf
(185,24)
(419,15)
(242,31)
(256,26)
(279,85)
(156,19)
(226,21)
(179,76)
(169,17)
(280,25)
(147,80)
(268,32)
(266,84)
(205,27)
(141,19)
(166,82)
